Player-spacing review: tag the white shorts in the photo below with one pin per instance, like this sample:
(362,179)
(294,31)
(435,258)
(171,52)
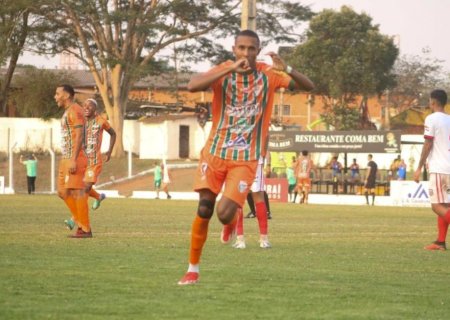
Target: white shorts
(258,183)
(439,188)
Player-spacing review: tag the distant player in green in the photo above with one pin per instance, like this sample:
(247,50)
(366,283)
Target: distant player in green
(292,181)
(31,165)
(157,177)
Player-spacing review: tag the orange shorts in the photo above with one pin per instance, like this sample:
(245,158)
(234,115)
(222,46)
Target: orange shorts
(92,173)
(303,182)
(71,181)
(237,176)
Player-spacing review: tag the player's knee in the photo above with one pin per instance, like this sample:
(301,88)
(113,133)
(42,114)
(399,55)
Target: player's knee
(226,214)
(205,209)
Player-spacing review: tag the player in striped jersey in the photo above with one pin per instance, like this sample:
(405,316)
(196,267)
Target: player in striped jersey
(243,93)
(436,150)
(93,136)
(71,187)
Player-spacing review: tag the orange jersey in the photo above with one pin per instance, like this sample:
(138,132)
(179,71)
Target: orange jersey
(93,132)
(303,167)
(241,111)
(72,119)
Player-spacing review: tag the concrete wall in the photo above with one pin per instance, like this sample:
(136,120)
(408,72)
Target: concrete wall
(149,141)
(34,134)
(159,140)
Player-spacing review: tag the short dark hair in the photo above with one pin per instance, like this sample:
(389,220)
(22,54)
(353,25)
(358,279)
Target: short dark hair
(69,89)
(370,156)
(440,96)
(305,153)
(247,33)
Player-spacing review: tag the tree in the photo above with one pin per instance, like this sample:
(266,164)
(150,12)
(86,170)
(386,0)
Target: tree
(416,76)
(35,96)
(14,28)
(346,57)
(120,40)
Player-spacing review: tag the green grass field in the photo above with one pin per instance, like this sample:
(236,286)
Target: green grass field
(327,262)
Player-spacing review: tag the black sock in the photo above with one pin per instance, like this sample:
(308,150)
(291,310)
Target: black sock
(295,196)
(266,200)
(251,203)
(373,197)
(367,197)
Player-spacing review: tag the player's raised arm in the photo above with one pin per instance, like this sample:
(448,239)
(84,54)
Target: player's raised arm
(300,80)
(202,81)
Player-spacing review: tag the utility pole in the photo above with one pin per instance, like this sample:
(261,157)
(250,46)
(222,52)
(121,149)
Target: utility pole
(248,15)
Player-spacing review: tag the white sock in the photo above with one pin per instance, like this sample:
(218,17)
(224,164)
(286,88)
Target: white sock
(194,268)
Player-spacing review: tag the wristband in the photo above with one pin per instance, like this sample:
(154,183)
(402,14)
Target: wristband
(288,69)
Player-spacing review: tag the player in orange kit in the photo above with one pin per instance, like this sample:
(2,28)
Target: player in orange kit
(93,135)
(241,109)
(72,167)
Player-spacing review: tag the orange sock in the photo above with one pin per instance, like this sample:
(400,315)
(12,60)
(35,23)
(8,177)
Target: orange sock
(83,212)
(94,194)
(199,234)
(71,204)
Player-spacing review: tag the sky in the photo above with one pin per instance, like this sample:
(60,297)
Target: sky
(415,24)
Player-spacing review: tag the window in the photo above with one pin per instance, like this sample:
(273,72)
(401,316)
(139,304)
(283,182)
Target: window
(285,110)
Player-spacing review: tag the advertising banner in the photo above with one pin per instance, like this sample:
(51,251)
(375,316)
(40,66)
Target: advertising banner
(277,189)
(410,193)
(336,141)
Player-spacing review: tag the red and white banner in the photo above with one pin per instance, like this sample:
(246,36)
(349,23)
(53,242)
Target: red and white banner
(277,189)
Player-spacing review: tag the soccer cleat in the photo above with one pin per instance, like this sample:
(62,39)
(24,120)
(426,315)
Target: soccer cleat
(269,215)
(70,224)
(265,244)
(189,278)
(80,234)
(96,203)
(239,244)
(251,214)
(227,233)
(169,197)
(436,246)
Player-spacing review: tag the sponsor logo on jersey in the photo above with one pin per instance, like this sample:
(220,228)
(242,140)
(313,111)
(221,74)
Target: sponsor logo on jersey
(242,186)
(239,144)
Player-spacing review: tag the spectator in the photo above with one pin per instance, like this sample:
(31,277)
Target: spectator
(354,174)
(157,177)
(336,166)
(401,170)
(31,166)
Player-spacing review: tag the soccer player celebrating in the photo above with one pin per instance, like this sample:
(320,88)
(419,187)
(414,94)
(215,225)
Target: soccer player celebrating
(436,149)
(93,135)
(72,167)
(243,92)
